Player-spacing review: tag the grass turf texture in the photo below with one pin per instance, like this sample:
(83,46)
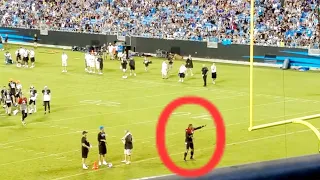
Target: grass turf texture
(49,146)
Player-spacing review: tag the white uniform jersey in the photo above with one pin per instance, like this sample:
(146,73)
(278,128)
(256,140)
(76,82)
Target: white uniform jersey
(33,95)
(19,87)
(32,54)
(91,61)
(110,49)
(213,69)
(17,52)
(46,96)
(64,59)
(8,55)
(26,53)
(164,68)
(21,51)
(182,69)
(97,62)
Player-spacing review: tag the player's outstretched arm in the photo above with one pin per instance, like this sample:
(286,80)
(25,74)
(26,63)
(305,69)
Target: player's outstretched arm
(200,127)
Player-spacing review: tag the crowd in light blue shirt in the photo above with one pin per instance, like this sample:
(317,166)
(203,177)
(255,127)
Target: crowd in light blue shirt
(294,23)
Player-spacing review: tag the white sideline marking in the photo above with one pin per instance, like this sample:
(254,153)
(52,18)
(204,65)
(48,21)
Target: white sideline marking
(203,149)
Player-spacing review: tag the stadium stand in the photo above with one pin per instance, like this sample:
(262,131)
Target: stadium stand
(294,23)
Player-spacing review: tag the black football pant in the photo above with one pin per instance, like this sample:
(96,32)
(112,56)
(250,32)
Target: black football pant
(46,105)
(24,114)
(204,80)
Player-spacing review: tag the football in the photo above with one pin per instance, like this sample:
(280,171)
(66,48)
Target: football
(110,165)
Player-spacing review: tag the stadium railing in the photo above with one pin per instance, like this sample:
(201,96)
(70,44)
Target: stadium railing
(298,168)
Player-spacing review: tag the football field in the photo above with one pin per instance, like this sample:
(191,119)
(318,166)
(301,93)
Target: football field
(49,147)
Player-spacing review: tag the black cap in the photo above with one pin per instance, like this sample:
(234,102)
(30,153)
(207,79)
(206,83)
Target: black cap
(84,132)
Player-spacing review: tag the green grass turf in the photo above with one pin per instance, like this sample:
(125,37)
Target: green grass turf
(48,147)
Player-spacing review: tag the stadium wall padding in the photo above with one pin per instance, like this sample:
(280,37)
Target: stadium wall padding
(182,47)
(298,168)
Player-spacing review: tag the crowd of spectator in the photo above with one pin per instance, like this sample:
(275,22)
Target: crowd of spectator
(291,23)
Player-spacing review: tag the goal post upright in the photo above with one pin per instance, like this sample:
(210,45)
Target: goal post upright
(251,63)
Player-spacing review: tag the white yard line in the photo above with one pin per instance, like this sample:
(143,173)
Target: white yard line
(203,149)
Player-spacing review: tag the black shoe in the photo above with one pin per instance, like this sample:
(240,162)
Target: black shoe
(191,158)
(184,159)
(49,112)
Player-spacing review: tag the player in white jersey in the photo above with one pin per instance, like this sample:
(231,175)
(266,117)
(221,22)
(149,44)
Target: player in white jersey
(7,58)
(182,72)
(164,69)
(26,58)
(91,63)
(32,58)
(32,100)
(97,64)
(213,73)
(86,62)
(8,101)
(64,59)
(111,51)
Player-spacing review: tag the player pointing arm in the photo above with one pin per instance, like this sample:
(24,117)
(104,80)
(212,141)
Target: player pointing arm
(189,140)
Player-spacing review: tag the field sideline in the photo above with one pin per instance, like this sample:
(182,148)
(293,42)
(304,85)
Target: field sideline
(49,146)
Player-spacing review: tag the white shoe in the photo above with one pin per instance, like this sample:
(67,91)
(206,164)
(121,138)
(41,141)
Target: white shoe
(213,82)
(105,163)
(128,162)
(135,74)
(99,163)
(24,123)
(84,167)
(124,161)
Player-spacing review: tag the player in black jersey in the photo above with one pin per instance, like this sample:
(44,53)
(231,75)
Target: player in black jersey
(35,40)
(146,63)
(100,61)
(124,64)
(132,65)
(189,65)
(85,146)
(12,87)
(127,140)
(102,146)
(189,140)
(2,96)
(170,59)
